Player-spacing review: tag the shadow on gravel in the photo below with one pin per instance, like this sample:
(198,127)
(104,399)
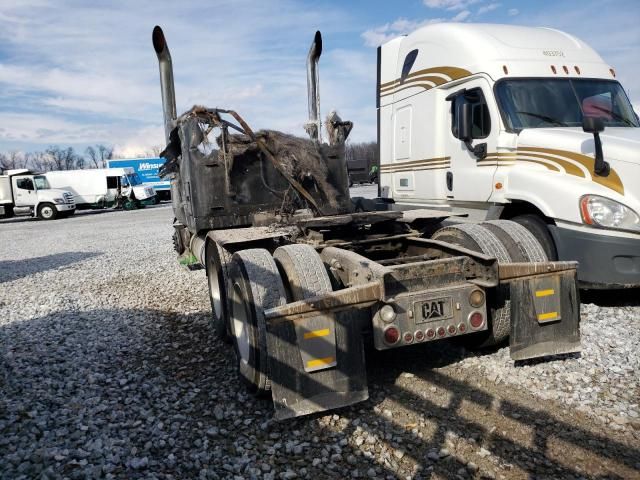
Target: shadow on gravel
(141,393)
(13,269)
(629,297)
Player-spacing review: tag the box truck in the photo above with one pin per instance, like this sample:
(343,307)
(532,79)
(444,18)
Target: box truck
(299,281)
(103,187)
(147,169)
(25,193)
(519,123)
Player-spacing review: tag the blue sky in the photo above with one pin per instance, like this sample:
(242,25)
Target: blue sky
(79,73)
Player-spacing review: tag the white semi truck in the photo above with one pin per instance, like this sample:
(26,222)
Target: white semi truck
(27,193)
(506,122)
(104,187)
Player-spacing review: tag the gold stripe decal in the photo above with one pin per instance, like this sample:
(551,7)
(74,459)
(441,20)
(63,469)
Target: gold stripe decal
(316,333)
(551,159)
(319,362)
(547,317)
(412,165)
(545,293)
(427,79)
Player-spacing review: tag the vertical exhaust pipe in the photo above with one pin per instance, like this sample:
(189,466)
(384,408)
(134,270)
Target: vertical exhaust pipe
(313,89)
(166,79)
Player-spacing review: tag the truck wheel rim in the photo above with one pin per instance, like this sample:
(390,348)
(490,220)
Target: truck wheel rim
(47,212)
(216,295)
(241,324)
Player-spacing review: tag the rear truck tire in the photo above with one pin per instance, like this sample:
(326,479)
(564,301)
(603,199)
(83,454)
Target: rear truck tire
(521,244)
(538,228)
(303,272)
(47,211)
(480,239)
(256,286)
(217,260)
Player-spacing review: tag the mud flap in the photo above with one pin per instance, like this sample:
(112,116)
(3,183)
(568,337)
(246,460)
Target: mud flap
(545,316)
(297,390)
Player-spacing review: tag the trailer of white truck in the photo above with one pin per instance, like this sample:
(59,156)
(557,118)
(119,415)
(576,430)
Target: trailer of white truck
(104,187)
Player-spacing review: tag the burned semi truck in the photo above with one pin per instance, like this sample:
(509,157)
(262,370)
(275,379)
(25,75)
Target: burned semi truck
(301,279)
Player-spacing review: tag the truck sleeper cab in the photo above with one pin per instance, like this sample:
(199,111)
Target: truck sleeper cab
(22,192)
(496,121)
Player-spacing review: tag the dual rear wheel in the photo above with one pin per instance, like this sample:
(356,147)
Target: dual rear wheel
(242,287)
(507,241)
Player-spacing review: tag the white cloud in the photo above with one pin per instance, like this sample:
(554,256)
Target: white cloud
(382,34)
(488,8)
(513,12)
(449,4)
(461,16)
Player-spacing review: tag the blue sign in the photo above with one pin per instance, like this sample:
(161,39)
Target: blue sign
(147,170)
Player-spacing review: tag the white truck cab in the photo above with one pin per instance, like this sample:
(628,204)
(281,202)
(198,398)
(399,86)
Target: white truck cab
(23,192)
(522,123)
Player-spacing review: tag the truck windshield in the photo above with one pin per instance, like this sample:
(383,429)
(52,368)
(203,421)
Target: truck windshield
(41,182)
(554,102)
(135,179)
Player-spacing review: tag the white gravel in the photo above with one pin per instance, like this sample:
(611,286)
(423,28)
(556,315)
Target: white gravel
(108,369)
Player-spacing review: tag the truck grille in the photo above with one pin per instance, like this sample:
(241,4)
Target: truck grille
(68,198)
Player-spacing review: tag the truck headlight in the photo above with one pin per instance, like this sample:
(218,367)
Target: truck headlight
(604,212)
(58,200)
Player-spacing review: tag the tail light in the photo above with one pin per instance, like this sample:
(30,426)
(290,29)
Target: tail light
(476,320)
(462,328)
(451,329)
(391,335)
(431,334)
(419,335)
(441,332)
(408,337)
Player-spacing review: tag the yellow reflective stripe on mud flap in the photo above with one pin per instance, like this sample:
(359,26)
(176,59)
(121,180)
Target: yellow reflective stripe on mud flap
(318,362)
(316,333)
(545,293)
(547,316)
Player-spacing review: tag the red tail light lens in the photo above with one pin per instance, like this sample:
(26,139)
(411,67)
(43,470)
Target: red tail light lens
(431,334)
(441,332)
(408,337)
(451,329)
(391,335)
(462,328)
(419,335)
(476,320)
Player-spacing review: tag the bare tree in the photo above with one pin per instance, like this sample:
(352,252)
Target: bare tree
(38,161)
(93,156)
(99,155)
(12,160)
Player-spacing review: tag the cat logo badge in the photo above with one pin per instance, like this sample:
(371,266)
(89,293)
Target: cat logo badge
(436,309)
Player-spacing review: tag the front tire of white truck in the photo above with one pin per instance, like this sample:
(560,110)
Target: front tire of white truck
(217,260)
(539,230)
(256,286)
(47,211)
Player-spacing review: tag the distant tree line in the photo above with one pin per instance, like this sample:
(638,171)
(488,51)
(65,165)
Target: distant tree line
(365,153)
(61,158)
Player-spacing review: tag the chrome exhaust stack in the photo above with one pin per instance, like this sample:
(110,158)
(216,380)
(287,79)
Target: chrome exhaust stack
(313,126)
(166,80)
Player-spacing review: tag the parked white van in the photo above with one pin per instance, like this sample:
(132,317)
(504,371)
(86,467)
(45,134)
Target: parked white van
(103,187)
(528,124)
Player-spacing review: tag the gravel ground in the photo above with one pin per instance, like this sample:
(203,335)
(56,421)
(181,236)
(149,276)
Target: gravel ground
(108,370)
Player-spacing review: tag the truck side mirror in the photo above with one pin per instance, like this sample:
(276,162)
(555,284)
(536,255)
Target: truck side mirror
(595,125)
(592,124)
(464,121)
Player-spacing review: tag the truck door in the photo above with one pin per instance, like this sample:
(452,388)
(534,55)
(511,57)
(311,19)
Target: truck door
(470,179)
(24,192)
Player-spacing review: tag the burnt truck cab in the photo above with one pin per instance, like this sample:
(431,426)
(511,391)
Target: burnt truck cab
(300,277)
